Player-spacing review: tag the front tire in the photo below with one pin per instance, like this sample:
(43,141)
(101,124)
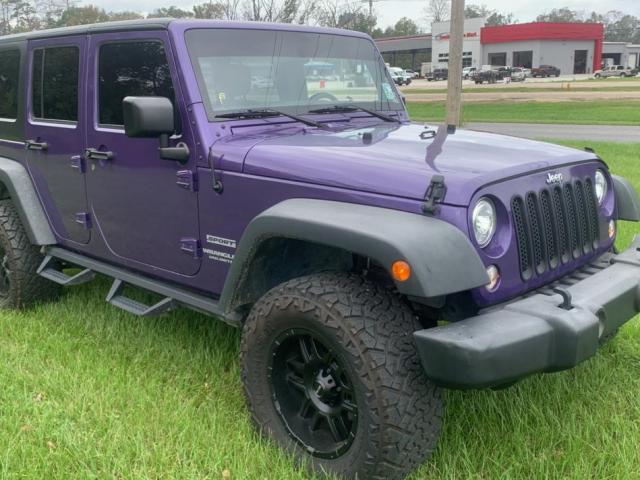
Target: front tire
(20,285)
(331,373)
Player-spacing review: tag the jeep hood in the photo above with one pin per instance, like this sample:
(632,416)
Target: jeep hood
(400,160)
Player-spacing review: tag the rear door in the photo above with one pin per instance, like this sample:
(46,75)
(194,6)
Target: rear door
(144,207)
(55,133)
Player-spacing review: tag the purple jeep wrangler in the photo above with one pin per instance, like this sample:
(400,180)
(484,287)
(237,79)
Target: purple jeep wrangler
(268,175)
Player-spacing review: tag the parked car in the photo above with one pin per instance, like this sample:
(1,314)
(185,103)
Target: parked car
(140,151)
(467,72)
(399,76)
(545,71)
(489,76)
(412,74)
(438,74)
(503,71)
(615,71)
(518,74)
(527,72)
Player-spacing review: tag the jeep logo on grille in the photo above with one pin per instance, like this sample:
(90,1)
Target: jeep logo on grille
(554,178)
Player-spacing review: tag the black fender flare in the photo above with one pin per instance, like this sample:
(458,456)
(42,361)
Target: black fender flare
(627,201)
(19,186)
(442,259)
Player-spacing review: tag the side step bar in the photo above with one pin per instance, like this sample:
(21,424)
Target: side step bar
(173,295)
(117,299)
(48,269)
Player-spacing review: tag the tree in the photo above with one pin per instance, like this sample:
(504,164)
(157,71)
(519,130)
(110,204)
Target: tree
(438,10)
(477,11)
(82,16)
(7,8)
(50,11)
(25,17)
(225,10)
(333,13)
(209,10)
(170,12)
(125,15)
(284,11)
(360,21)
(563,14)
(619,27)
(497,18)
(405,27)
(493,17)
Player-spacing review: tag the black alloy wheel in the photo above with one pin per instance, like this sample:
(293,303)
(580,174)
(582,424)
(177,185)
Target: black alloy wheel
(313,394)
(330,372)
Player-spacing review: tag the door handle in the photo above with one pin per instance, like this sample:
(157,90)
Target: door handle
(33,145)
(93,154)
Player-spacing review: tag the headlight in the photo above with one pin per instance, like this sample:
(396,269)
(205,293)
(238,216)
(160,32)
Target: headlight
(484,221)
(601,186)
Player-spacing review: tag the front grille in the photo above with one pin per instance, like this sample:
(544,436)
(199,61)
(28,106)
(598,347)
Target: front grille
(554,226)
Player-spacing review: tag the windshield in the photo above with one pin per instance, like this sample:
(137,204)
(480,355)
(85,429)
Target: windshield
(295,72)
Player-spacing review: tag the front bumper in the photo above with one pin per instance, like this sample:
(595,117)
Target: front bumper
(554,329)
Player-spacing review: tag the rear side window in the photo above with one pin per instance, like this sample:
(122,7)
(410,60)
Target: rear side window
(9,72)
(126,69)
(54,87)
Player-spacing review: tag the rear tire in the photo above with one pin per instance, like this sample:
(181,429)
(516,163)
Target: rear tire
(20,285)
(360,373)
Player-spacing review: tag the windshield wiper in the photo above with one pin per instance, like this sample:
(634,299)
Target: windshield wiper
(269,112)
(354,108)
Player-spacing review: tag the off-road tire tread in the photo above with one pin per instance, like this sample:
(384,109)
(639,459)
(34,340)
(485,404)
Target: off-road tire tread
(375,326)
(26,286)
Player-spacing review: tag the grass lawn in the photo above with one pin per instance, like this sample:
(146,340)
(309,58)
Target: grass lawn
(586,113)
(88,391)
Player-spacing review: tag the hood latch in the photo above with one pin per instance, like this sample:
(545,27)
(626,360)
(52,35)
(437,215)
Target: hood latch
(435,194)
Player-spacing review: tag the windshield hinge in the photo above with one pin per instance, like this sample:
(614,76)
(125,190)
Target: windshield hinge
(187,180)
(216,182)
(435,194)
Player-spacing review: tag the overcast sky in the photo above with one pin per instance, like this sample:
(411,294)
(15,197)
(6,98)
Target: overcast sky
(389,11)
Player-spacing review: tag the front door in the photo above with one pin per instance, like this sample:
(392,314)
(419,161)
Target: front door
(580,61)
(144,207)
(55,134)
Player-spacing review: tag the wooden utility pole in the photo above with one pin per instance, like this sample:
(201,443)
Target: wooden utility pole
(454,88)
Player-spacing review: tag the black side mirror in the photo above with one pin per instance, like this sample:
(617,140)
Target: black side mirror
(151,117)
(147,117)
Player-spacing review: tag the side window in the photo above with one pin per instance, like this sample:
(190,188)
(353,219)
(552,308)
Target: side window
(54,86)
(130,69)
(9,72)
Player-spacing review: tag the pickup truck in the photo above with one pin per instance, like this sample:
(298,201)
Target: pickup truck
(438,74)
(615,71)
(545,71)
(482,76)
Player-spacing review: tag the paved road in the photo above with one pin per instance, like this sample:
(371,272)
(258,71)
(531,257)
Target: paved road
(540,83)
(613,133)
(537,95)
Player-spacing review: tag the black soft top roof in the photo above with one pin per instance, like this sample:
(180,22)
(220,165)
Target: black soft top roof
(124,25)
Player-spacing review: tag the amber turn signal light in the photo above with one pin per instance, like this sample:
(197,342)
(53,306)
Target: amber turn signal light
(401,271)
